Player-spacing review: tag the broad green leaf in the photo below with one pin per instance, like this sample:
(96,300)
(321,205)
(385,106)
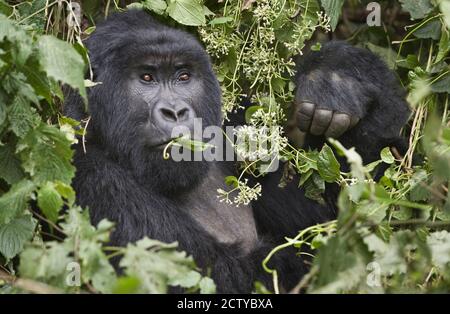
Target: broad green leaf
(49,201)
(188,280)
(187,12)
(62,62)
(10,169)
(157,6)
(14,234)
(353,158)
(65,191)
(221,20)
(22,117)
(333,9)
(431,30)
(158,265)
(327,165)
(340,268)
(387,54)
(373,211)
(46,155)
(47,263)
(386,155)
(231,181)
(444,44)
(5,8)
(14,202)
(410,62)
(127,285)
(22,47)
(418,9)
(445,9)
(442,86)
(207,286)
(314,188)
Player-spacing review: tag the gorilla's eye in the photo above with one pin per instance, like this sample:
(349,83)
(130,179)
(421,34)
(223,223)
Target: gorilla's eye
(183,77)
(147,77)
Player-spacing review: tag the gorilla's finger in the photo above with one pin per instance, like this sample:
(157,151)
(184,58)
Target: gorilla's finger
(353,121)
(304,115)
(321,121)
(338,125)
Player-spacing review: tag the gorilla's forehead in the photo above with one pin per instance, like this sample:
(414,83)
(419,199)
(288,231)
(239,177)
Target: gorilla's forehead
(165,48)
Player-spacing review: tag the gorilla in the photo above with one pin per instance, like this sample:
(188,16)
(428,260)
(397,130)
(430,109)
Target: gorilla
(154,78)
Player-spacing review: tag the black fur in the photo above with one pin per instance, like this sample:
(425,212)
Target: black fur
(119,178)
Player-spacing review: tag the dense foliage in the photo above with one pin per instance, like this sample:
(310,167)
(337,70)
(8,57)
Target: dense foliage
(391,235)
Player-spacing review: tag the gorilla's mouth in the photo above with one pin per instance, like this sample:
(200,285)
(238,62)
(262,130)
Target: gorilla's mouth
(161,145)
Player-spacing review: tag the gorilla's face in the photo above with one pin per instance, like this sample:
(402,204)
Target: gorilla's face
(153,79)
(151,86)
(164,95)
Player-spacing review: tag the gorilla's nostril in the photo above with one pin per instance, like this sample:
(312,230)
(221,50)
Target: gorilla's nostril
(183,114)
(169,114)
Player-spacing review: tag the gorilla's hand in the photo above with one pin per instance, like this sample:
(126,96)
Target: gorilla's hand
(347,93)
(310,119)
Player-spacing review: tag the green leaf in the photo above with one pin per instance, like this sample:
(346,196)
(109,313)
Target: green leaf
(46,154)
(5,8)
(49,201)
(221,20)
(14,202)
(10,169)
(193,145)
(22,117)
(127,285)
(47,262)
(187,12)
(327,165)
(158,265)
(188,280)
(431,30)
(62,62)
(316,47)
(373,211)
(386,156)
(445,9)
(444,45)
(442,86)
(410,62)
(207,286)
(157,6)
(314,188)
(14,235)
(333,9)
(387,54)
(231,181)
(418,9)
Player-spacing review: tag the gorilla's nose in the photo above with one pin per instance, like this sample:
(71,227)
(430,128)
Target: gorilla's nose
(169,116)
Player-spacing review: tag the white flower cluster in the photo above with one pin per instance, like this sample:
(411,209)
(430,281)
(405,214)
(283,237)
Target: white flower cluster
(217,42)
(259,143)
(261,117)
(230,103)
(303,31)
(267,11)
(245,194)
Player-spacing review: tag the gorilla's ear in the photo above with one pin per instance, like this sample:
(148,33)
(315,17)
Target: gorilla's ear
(74,106)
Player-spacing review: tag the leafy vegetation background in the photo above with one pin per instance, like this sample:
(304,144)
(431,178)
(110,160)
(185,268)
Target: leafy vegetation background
(390,236)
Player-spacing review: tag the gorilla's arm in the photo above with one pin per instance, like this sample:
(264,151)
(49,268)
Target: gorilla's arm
(349,93)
